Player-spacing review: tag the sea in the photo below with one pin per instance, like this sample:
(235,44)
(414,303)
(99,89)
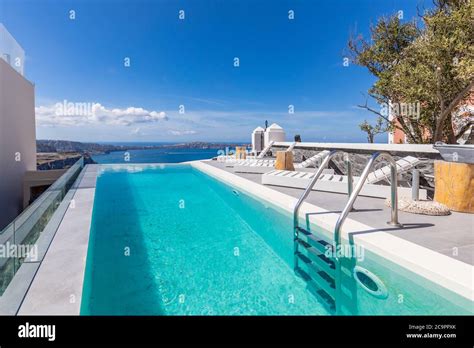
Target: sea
(164,155)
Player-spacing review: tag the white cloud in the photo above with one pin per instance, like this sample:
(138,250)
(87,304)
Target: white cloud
(205,124)
(78,114)
(183,132)
(237,125)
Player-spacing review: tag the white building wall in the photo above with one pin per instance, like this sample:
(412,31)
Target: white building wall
(390,118)
(257,140)
(274,133)
(17,139)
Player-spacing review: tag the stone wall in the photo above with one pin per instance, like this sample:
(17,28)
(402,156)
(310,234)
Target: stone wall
(359,161)
(64,163)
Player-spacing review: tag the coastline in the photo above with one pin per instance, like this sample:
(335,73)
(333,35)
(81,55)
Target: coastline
(61,154)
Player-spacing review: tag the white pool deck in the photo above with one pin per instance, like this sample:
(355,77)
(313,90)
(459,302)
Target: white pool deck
(451,235)
(57,286)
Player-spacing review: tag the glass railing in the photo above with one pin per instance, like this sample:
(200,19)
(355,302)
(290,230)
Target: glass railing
(11,51)
(21,234)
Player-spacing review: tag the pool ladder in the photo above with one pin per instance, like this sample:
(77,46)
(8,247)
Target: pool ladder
(318,261)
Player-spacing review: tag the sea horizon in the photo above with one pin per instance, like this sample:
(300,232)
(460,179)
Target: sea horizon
(151,143)
(164,155)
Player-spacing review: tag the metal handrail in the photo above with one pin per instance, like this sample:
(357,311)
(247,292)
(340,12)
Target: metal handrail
(358,188)
(353,193)
(305,194)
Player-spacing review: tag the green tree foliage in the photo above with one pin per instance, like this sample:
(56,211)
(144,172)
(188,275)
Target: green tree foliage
(379,127)
(429,63)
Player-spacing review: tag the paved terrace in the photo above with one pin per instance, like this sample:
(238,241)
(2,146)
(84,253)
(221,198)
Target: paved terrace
(451,235)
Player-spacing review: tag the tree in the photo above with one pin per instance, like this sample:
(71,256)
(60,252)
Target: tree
(380,127)
(428,68)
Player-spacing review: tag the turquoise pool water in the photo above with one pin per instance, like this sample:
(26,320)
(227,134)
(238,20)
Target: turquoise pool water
(195,247)
(170,240)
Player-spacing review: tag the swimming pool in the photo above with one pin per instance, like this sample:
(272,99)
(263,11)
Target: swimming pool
(171,240)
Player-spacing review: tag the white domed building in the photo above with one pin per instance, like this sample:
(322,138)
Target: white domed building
(274,133)
(257,140)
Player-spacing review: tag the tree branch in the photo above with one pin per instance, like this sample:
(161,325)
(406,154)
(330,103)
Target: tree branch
(374,111)
(444,115)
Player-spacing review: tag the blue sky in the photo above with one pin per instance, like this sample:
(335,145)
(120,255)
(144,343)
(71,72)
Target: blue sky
(190,62)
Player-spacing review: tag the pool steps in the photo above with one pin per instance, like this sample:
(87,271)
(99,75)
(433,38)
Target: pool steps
(316,268)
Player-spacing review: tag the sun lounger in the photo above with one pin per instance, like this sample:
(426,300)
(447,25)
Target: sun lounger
(291,147)
(234,159)
(404,165)
(265,150)
(338,183)
(260,166)
(313,160)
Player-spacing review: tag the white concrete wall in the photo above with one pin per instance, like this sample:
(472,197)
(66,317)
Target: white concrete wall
(274,133)
(17,139)
(257,141)
(364,147)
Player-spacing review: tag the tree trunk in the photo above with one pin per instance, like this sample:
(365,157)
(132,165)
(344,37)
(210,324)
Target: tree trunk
(450,132)
(438,136)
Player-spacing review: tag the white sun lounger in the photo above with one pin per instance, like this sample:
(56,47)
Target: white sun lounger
(260,166)
(265,150)
(233,159)
(338,183)
(404,165)
(313,160)
(252,160)
(291,147)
